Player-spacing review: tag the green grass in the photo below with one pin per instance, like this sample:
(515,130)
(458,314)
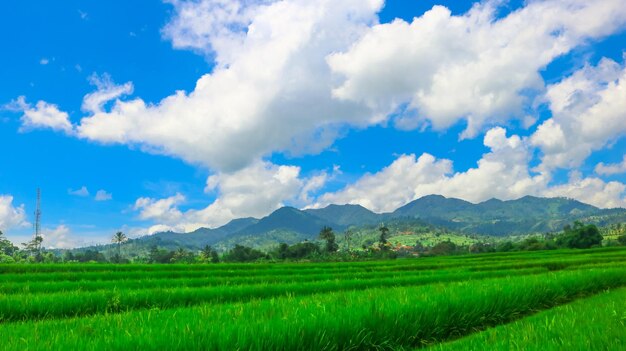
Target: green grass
(596,323)
(400,304)
(77,303)
(374,318)
(431,239)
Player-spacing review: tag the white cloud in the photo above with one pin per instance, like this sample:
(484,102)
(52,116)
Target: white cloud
(163,210)
(106,91)
(44,61)
(393,186)
(42,115)
(58,238)
(473,67)
(290,74)
(254,191)
(10,215)
(102,195)
(83,191)
(270,90)
(591,190)
(502,173)
(588,112)
(617,168)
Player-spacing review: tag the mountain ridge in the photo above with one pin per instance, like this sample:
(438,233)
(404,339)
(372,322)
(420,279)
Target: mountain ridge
(493,217)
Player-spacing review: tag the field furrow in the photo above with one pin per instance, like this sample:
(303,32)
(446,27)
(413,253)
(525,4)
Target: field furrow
(381,318)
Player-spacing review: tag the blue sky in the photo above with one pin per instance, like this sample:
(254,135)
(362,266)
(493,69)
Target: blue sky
(301,103)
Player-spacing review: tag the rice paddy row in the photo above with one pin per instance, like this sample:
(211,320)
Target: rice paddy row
(399,304)
(381,318)
(599,323)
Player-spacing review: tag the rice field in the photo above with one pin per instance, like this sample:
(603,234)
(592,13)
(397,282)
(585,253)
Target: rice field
(550,300)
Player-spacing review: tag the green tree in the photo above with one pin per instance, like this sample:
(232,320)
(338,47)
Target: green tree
(119,238)
(182,256)
(282,251)
(622,240)
(580,236)
(157,255)
(241,253)
(505,246)
(33,247)
(215,258)
(348,237)
(443,248)
(384,235)
(208,254)
(6,246)
(328,235)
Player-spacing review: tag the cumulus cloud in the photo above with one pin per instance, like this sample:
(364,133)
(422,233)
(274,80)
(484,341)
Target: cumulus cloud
(290,74)
(11,216)
(103,195)
(609,169)
(58,238)
(502,173)
(106,90)
(42,115)
(83,191)
(474,67)
(591,190)
(588,113)
(270,89)
(163,210)
(253,191)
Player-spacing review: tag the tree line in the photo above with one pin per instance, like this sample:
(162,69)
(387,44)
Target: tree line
(577,236)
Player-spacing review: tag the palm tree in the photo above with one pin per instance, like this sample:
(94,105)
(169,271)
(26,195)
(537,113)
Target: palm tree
(119,238)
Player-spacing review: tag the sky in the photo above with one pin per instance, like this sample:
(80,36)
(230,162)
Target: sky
(150,116)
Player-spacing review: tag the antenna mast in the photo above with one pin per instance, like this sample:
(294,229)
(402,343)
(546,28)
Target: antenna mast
(38,215)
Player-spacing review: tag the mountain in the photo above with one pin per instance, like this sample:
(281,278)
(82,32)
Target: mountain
(433,214)
(346,215)
(288,219)
(434,206)
(202,236)
(496,217)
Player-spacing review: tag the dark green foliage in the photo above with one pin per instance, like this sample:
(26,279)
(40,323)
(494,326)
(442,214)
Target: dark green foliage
(157,255)
(505,246)
(183,256)
(622,240)
(243,254)
(382,239)
(85,256)
(328,235)
(33,248)
(534,244)
(481,248)
(208,254)
(580,236)
(6,246)
(298,251)
(444,248)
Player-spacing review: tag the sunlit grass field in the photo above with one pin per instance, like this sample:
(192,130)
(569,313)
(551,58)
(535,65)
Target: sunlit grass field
(550,300)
